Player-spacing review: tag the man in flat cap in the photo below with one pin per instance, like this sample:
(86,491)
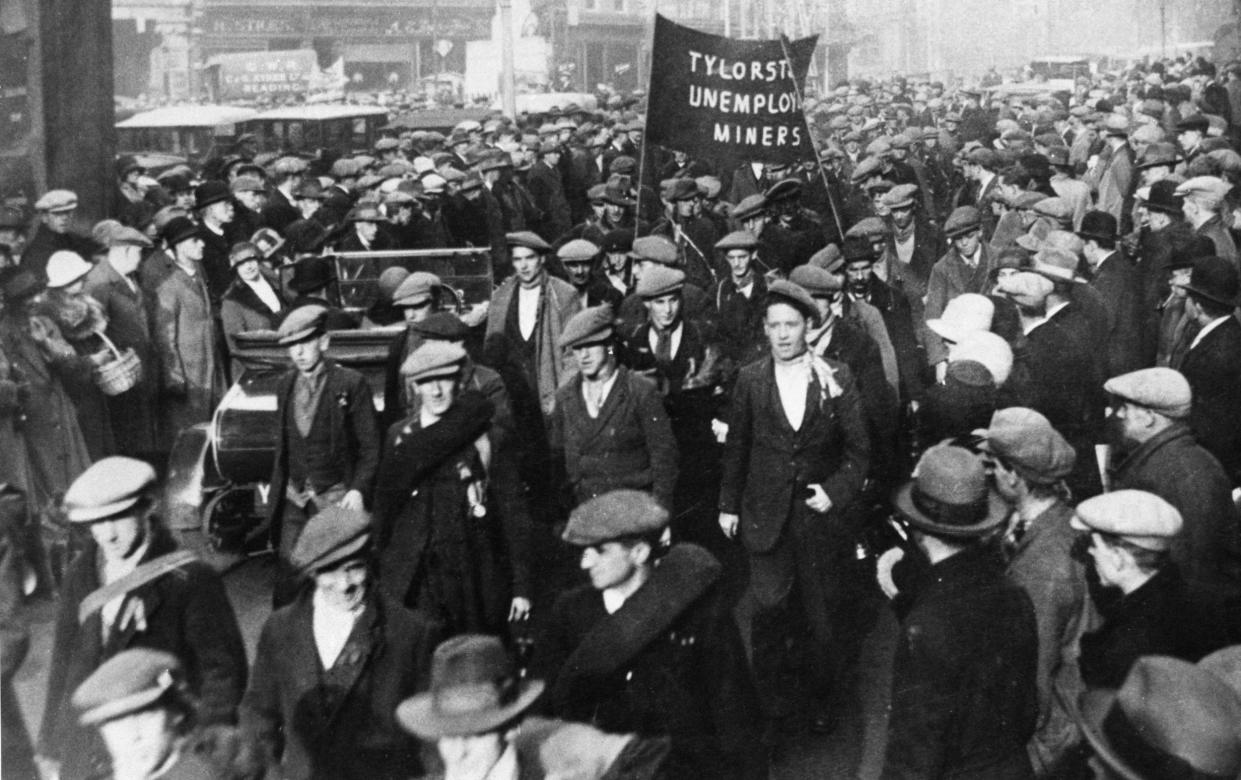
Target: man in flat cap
(190,363)
(777,248)
(610,429)
(132,588)
(795,457)
(546,186)
(417,297)
(452,521)
(580,259)
(692,233)
(649,644)
(1030,460)
(964,693)
(964,268)
(738,296)
(327,439)
(1148,612)
(913,245)
(1154,450)
(287,174)
(649,253)
(691,367)
(1212,363)
(1114,178)
(1203,207)
(331,667)
(56,209)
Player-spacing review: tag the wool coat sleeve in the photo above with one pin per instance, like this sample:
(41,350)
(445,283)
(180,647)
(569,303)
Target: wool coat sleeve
(660,442)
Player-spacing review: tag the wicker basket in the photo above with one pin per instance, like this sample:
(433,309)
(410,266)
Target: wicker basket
(119,374)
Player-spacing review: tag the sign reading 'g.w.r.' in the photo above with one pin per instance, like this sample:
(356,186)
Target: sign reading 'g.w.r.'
(726,99)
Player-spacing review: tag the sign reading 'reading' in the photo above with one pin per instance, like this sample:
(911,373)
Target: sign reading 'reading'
(725,99)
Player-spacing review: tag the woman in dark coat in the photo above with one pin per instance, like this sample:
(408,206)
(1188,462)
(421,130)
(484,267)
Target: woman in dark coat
(453,525)
(252,302)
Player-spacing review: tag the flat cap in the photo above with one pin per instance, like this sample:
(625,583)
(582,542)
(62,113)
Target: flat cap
(614,515)
(129,681)
(365,212)
(681,189)
(107,488)
(248,184)
(785,189)
(433,359)
(750,206)
(867,167)
(57,200)
(1116,124)
(1143,519)
(709,186)
(578,250)
(1029,444)
(65,267)
(330,537)
(1193,122)
(899,197)
(738,239)
(660,280)
(288,166)
(528,239)
(415,289)
(816,280)
(655,249)
(870,228)
(1210,188)
(830,258)
(301,324)
(387,144)
(442,325)
(784,291)
(1055,208)
(588,326)
(346,168)
(962,220)
(624,165)
(1162,390)
(1025,288)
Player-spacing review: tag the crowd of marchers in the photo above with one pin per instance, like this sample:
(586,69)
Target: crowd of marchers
(978,364)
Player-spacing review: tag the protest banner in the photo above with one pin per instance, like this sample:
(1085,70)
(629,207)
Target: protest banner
(726,99)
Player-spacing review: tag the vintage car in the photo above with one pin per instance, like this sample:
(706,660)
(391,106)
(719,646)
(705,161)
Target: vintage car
(168,136)
(337,127)
(218,472)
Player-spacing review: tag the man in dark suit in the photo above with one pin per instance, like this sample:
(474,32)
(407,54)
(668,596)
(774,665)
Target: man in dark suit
(327,440)
(889,297)
(964,690)
(287,176)
(133,588)
(547,188)
(1167,233)
(795,458)
(1213,363)
(1120,288)
(651,648)
(331,668)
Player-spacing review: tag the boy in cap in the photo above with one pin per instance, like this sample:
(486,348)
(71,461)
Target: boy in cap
(134,589)
(579,258)
(191,365)
(1029,461)
(964,268)
(795,459)
(1148,611)
(327,439)
(331,667)
(964,696)
(416,298)
(649,645)
(452,521)
(1153,449)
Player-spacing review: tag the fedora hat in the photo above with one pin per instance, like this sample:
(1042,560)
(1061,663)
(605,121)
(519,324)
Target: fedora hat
(474,689)
(949,495)
(1170,719)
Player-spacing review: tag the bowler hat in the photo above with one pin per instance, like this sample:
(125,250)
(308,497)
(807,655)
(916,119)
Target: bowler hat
(212,191)
(1163,198)
(1099,225)
(1185,255)
(130,681)
(305,237)
(949,495)
(474,689)
(313,273)
(617,241)
(1214,278)
(179,229)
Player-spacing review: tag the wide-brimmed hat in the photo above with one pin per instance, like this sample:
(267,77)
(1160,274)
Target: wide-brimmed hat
(474,689)
(966,313)
(1170,719)
(1214,278)
(949,495)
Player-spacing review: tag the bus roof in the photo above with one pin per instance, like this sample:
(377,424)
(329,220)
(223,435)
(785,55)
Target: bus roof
(318,112)
(188,116)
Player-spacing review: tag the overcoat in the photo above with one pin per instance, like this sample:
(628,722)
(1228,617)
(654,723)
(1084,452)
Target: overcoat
(192,370)
(1213,369)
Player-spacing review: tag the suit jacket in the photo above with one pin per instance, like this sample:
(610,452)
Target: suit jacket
(767,465)
(964,694)
(1213,369)
(186,613)
(338,722)
(1121,290)
(1116,187)
(354,433)
(629,445)
(553,363)
(547,189)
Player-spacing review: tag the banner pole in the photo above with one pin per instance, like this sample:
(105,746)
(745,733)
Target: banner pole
(818,159)
(650,77)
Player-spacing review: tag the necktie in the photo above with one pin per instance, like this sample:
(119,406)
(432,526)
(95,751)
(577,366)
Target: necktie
(663,347)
